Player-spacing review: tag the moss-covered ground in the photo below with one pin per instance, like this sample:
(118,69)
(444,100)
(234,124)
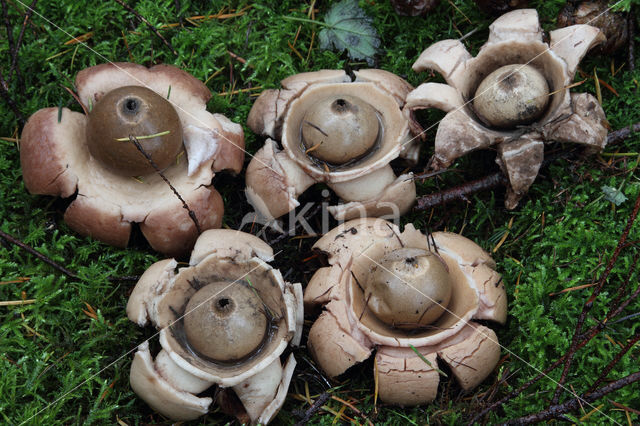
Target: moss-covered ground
(64,358)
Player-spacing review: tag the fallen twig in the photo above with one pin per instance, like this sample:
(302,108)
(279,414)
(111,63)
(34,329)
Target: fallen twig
(462,192)
(7,24)
(584,338)
(298,224)
(14,59)
(558,410)
(148,24)
(631,33)
(622,134)
(17,302)
(612,363)
(7,98)
(192,214)
(317,404)
(40,256)
(589,304)
(55,265)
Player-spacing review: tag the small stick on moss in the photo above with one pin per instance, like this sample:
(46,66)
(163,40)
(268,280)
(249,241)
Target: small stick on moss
(558,410)
(622,134)
(17,302)
(589,303)
(612,363)
(192,214)
(60,268)
(315,407)
(148,24)
(7,24)
(616,302)
(461,192)
(40,256)
(631,33)
(583,340)
(7,98)
(14,59)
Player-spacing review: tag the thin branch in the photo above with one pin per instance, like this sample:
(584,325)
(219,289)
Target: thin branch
(315,407)
(631,33)
(622,289)
(40,256)
(460,193)
(7,98)
(55,265)
(583,340)
(558,410)
(7,24)
(589,304)
(622,134)
(612,364)
(192,214)
(14,60)
(298,224)
(148,24)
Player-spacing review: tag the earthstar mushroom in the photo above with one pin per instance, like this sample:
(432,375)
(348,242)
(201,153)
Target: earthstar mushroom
(224,320)
(63,153)
(515,41)
(337,131)
(437,287)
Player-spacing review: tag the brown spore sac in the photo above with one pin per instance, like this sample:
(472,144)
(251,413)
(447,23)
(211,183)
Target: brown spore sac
(139,112)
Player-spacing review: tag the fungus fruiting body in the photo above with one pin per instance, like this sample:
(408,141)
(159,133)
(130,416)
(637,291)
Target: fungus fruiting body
(225,320)
(140,112)
(410,298)
(115,182)
(513,94)
(340,129)
(389,288)
(337,131)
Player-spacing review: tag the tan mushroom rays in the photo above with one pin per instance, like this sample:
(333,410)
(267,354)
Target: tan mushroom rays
(527,119)
(337,131)
(224,321)
(457,285)
(64,152)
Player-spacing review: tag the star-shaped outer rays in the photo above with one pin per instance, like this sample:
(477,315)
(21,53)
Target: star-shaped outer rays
(514,38)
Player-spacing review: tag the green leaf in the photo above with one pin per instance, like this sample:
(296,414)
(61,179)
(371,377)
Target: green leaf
(426,361)
(613,195)
(348,27)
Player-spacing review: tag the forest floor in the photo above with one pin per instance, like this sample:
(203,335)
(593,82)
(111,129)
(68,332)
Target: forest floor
(66,344)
